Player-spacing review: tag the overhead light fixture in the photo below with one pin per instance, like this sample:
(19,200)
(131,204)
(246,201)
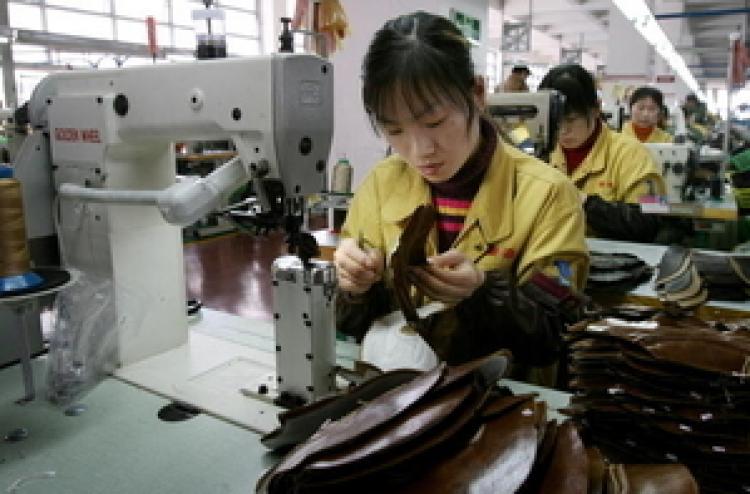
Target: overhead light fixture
(637,12)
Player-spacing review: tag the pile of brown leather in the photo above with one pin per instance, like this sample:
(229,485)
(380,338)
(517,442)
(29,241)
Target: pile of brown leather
(666,390)
(449,430)
(616,272)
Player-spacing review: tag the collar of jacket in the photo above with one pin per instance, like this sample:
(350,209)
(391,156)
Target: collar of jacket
(589,165)
(491,208)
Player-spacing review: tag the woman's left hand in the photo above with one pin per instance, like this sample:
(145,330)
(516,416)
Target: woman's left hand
(449,277)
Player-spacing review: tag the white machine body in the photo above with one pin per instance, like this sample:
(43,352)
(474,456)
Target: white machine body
(303,305)
(672,160)
(112,135)
(539,112)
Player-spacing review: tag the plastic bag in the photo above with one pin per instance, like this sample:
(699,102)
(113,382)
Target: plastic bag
(391,344)
(83,347)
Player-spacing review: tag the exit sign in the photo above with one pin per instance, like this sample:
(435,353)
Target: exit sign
(471,27)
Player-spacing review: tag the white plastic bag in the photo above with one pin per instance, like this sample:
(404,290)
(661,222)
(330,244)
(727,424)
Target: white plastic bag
(391,344)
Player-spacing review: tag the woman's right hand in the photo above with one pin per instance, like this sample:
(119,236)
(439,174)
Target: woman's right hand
(357,269)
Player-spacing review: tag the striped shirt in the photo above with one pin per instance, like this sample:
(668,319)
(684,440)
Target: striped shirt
(453,198)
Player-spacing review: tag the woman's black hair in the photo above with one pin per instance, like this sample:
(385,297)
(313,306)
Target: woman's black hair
(647,92)
(577,85)
(425,58)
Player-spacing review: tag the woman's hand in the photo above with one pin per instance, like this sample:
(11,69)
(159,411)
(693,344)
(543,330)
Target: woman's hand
(357,269)
(449,277)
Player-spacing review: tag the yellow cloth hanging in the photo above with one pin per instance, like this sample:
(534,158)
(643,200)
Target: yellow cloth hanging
(332,23)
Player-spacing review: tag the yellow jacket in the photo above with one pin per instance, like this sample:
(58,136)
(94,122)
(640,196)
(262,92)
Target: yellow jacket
(618,168)
(657,135)
(523,210)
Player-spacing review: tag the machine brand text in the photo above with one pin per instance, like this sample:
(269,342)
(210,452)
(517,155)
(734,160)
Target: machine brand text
(70,134)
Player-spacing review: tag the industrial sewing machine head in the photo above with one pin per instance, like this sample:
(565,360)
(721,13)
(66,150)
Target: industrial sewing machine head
(676,163)
(530,120)
(107,138)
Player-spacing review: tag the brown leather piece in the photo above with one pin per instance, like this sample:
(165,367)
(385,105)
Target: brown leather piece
(452,406)
(418,421)
(597,471)
(411,252)
(334,434)
(569,471)
(648,479)
(300,423)
(675,391)
(498,460)
(728,351)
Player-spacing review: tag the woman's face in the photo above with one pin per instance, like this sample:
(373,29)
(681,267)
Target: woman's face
(436,140)
(575,129)
(645,112)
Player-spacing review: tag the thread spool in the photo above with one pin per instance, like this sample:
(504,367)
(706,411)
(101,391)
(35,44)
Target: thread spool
(15,262)
(342,176)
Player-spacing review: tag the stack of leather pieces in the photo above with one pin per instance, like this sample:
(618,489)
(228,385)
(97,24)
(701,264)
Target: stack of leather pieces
(678,284)
(448,430)
(616,272)
(666,390)
(726,276)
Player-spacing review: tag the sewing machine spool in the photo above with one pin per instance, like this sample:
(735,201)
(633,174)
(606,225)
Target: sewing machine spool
(15,265)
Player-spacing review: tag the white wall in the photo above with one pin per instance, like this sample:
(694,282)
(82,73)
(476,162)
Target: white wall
(353,134)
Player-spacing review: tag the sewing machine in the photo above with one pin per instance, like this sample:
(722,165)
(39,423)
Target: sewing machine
(107,139)
(676,162)
(614,116)
(529,119)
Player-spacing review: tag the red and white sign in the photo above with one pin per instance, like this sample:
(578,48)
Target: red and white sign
(67,134)
(90,135)
(71,134)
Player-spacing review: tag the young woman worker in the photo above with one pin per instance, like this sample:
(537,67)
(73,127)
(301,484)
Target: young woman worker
(502,215)
(611,170)
(646,106)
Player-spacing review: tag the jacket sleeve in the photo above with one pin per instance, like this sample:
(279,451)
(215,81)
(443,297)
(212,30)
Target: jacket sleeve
(533,315)
(355,314)
(526,309)
(556,245)
(620,220)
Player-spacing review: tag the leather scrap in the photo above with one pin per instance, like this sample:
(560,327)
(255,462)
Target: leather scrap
(411,252)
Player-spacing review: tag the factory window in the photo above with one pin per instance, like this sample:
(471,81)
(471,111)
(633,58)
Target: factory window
(96,18)
(242,4)
(182,12)
(158,9)
(29,54)
(241,23)
(121,20)
(184,38)
(78,24)
(25,16)
(88,5)
(242,46)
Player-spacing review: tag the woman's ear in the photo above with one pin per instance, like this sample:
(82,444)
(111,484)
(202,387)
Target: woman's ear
(480,92)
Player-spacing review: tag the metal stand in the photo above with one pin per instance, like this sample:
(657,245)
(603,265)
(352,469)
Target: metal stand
(22,309)
(22,305)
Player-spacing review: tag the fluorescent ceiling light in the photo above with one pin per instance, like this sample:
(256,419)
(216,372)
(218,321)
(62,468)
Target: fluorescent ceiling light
(637,12)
